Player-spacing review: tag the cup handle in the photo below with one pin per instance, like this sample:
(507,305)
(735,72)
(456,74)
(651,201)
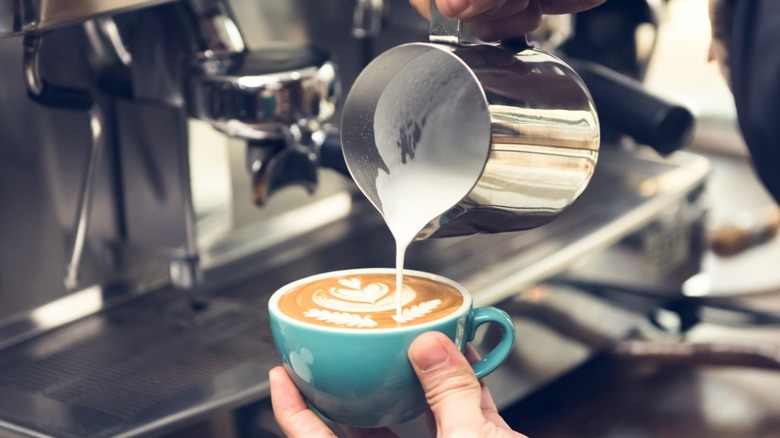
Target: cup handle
(497,355)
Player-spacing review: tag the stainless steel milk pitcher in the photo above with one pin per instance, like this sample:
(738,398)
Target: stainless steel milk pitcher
(515,127)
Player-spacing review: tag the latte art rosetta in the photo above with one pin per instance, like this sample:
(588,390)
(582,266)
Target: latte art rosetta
(353,296)
(369,301)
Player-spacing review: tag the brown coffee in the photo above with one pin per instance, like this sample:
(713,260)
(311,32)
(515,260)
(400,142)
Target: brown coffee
(369,301)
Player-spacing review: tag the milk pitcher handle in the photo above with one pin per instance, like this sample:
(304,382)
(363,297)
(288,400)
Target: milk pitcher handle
(445,30)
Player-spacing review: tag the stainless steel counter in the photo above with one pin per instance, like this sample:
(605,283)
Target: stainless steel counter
(171,358)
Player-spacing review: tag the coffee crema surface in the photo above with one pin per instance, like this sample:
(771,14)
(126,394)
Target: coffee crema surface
(369,301)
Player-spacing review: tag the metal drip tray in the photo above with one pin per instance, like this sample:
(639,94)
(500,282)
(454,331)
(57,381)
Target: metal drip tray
(100,375)
(171,357)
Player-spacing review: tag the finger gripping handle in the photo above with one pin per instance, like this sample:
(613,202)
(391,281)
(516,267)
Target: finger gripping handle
(443,30)
(451,31)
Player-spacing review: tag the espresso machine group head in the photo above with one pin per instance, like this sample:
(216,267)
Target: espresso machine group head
(276,98)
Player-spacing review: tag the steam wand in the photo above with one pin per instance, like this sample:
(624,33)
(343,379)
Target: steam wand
(72,99)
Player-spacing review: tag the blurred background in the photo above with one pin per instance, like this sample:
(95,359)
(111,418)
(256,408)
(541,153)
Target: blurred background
(673,400)
(681,66)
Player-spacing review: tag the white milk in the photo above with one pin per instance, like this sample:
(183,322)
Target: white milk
(434,149)
(409,203)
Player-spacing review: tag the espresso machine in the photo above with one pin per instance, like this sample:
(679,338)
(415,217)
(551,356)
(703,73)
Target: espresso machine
(167,164)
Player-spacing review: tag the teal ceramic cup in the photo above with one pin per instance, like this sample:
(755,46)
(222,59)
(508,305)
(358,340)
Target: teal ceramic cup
(362,376)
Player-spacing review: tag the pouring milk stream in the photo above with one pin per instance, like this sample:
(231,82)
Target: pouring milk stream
(428,162)
(451,138)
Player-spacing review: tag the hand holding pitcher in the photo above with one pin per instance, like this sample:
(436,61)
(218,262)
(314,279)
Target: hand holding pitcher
(493,20)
